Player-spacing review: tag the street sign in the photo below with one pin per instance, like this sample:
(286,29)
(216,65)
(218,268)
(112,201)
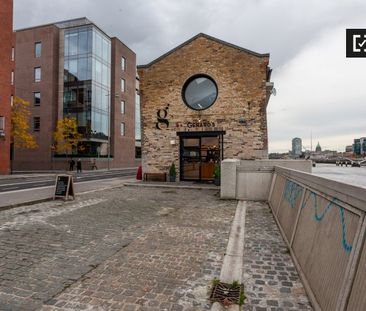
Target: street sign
(64,187)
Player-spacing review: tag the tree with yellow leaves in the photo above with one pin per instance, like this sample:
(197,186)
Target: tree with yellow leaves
(21,136)
(66,136)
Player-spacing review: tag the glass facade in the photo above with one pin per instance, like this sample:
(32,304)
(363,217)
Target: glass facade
(87,74)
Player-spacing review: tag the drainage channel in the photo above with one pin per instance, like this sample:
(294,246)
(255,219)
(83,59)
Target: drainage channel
(228,292)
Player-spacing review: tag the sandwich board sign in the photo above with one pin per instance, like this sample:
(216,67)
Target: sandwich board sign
(64,187)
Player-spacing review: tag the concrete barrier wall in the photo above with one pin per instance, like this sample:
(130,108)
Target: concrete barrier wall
(323,223)
(251,180)
(357,299)
(290,204)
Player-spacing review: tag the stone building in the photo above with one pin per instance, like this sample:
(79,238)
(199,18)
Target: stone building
(202,102)
(74,69)
(296,147)
(6,76)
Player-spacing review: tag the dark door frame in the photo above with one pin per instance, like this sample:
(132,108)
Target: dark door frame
(182,135)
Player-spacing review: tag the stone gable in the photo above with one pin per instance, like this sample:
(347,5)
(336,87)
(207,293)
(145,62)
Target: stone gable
(239,110)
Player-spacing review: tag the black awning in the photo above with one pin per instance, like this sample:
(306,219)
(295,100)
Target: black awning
(201,134)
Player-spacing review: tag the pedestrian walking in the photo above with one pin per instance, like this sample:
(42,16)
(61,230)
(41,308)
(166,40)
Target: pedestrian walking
(94,165)
(71,164)
(78,165)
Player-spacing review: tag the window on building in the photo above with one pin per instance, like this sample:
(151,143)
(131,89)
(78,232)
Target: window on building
(2,123)
(123,85)
(12,78)
(37,49)
(122,106)
(12,54)
(37,98)
(11,100)
(36,124)
(37,74)
(137,152)
(122,129)
(123,63)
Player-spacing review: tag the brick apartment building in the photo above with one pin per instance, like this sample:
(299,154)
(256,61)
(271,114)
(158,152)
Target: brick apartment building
(6,33)
(202,102)
(73,68)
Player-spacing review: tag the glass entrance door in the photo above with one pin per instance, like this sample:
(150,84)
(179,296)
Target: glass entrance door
(198,157)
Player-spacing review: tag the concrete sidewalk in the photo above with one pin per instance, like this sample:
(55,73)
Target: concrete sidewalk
(36,195)
(44,174)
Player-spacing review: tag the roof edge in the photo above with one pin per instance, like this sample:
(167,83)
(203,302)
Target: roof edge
(54,23)
(201,34)
(124,44)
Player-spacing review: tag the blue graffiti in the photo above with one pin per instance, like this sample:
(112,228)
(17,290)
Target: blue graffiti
(292,192)
(319,216)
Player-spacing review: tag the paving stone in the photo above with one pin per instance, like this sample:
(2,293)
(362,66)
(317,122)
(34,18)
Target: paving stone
(120,249)
(265,247)
(138,249)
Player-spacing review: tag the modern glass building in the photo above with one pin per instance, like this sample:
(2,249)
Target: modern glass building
(87,85)
(359,146)
(74,69)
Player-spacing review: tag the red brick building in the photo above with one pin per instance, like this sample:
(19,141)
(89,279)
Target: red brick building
(6,33)
(74,69)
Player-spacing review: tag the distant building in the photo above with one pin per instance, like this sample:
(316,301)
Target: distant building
(278,156)
(296,147)
(359,146)
(74,69)
(349,148)
(318,148)
(6,79)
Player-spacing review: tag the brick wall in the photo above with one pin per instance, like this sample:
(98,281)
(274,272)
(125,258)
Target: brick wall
(25,86)
(241,80)
(6,33)
(123,146)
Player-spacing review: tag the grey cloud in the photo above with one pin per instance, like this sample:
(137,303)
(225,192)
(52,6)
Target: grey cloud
(294,32)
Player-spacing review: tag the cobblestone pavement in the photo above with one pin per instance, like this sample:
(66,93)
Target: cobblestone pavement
(270,278)
(119,249)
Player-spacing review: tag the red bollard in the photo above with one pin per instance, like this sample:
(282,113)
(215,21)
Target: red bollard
(139,173)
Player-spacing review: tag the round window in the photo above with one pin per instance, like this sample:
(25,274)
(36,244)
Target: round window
(199,92)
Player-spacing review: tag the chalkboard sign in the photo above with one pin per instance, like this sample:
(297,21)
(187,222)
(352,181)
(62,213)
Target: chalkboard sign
(64,187)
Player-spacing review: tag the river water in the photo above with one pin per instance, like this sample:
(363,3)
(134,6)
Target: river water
(350,175)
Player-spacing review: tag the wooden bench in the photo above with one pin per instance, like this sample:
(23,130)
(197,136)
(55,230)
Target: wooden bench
(155,177)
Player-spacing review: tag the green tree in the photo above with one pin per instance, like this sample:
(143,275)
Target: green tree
(66,136)
(20,128)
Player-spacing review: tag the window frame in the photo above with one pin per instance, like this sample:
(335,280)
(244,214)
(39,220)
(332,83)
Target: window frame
(123,129)
(123,106)
(187,84)
(35,74)
(2,123)
(38,129)
(123,85)
(123,63)
(34,99)
(36,55)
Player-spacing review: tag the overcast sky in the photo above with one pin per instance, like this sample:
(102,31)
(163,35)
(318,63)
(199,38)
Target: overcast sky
(319,90)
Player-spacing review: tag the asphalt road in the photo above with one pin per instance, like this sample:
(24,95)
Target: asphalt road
(15,184)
